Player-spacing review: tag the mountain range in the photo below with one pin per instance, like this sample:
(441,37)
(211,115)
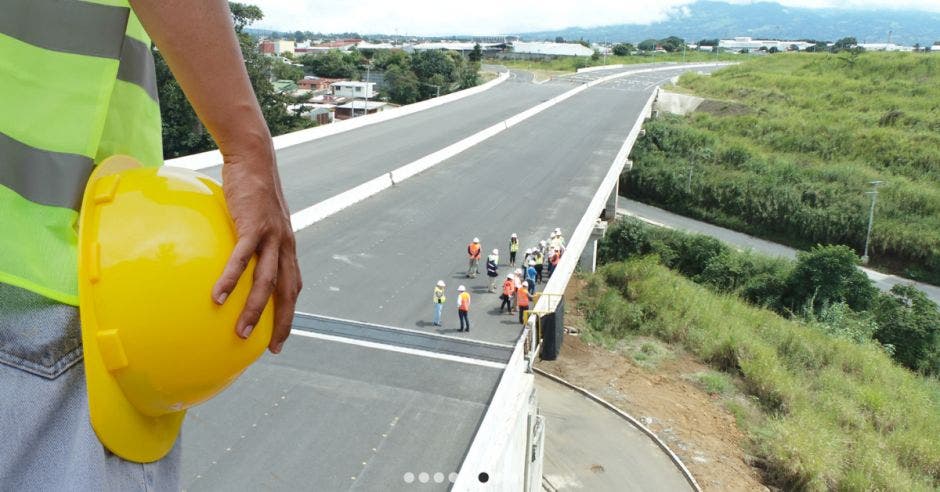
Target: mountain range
(767,20)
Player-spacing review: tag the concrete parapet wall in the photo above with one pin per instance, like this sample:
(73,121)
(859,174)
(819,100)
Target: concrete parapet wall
(675,103)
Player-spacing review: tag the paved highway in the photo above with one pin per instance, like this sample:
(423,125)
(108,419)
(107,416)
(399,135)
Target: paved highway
(663,218)
(346,412)
(378,260)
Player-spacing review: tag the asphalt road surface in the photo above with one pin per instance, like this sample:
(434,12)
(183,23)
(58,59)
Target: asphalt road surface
(378,260)
(660,217)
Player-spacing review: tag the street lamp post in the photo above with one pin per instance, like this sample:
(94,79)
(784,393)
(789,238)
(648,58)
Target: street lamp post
(871,216)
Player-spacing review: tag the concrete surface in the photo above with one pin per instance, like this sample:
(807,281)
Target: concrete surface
(681,104)
(588,447)
(336,416)
(663,218)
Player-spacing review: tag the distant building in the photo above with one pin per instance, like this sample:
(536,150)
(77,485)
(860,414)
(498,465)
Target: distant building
(284,86)
(884,47)
(276,46)
(550,49)
(747,43)
(359,108)
(355,90)
(461,47)
(316,84)
(323,114)
(339,44)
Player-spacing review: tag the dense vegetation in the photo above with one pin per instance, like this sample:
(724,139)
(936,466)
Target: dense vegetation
(822,412)
(789,148)
(822,288)
(408,78)
(183,133)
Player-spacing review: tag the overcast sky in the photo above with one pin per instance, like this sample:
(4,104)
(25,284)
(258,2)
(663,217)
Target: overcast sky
(435,17)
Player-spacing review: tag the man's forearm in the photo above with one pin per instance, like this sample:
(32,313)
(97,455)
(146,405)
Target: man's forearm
(198,42)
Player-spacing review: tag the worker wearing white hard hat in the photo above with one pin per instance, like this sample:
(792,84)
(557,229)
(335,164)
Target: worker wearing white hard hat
(492,265)
(509,289)
(463,308)
(439,300)
(474,251)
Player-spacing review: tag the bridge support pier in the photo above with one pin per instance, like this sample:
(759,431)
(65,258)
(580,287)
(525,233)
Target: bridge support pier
(588,260)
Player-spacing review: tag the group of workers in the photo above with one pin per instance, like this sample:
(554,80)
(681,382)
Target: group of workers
(519,286)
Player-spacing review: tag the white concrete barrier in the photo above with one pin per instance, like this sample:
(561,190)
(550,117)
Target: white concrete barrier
(213,158)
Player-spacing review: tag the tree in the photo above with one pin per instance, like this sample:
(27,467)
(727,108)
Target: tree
(910,322)
(845,44)
(559,39)
(299,36)
(434,69)
(623,49)
(332,64)
(183,133)
(470,75)
(596,55)
(286,71)
(672,43)
(477,54)
(773,49)
(402,85)
(708,42)
(385,59)
(827,275)
(586,44)
(648,45)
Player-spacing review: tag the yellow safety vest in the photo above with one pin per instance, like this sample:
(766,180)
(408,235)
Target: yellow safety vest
(77,85)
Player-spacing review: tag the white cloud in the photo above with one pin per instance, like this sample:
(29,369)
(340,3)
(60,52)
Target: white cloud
(430,17)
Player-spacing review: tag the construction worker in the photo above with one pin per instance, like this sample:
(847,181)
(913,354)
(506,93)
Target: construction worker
(523,298)
(539,258)
(439,299)
(558,241)
(509,289)
(463,308)
(492,262)
(555,257)
(517,276)
(530,275)
(513,249)
(53,131)
(527,258)
(473,251)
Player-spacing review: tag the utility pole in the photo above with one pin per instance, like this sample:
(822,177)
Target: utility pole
(871,216)
(365,110)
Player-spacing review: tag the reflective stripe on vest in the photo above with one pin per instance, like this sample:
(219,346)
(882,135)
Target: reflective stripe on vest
(77,85)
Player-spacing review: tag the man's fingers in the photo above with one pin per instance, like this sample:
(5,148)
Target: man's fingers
(236,265)
(265,276)
(288,289)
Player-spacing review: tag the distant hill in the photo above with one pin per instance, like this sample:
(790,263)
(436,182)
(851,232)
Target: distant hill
(708,19)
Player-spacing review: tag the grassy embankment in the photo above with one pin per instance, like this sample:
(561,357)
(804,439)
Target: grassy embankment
(568,64)
(826,413)
(791,155)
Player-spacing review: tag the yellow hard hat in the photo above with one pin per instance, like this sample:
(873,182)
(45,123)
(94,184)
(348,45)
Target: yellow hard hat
(152,243)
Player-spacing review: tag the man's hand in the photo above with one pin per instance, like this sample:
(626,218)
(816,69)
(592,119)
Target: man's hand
(250,181)
(253,193)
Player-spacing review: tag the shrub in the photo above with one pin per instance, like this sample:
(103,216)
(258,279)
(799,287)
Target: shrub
(910,322)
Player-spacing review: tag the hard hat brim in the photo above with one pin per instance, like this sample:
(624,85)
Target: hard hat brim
(120,427)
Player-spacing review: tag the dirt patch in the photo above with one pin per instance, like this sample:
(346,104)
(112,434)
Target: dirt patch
(666,393)
(722,108)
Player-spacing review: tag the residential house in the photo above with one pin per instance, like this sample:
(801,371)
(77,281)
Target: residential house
(359,108)
(355,90)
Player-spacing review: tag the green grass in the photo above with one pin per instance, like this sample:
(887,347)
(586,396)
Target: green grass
(714,383)
(569,64)
(793,160)
(830,413)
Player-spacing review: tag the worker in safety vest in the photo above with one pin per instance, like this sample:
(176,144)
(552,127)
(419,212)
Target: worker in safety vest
(523,299)
(473,252)
(513,249)
(77,85)
(517,280)
(530,274)
(439,299)
(463,308)
(539,258)
(492,267)
(554,258)
(509,290)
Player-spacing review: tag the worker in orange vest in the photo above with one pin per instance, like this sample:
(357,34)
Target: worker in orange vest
(509,289)
(463,307)
(555,256)
(473,251)
(522,299)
